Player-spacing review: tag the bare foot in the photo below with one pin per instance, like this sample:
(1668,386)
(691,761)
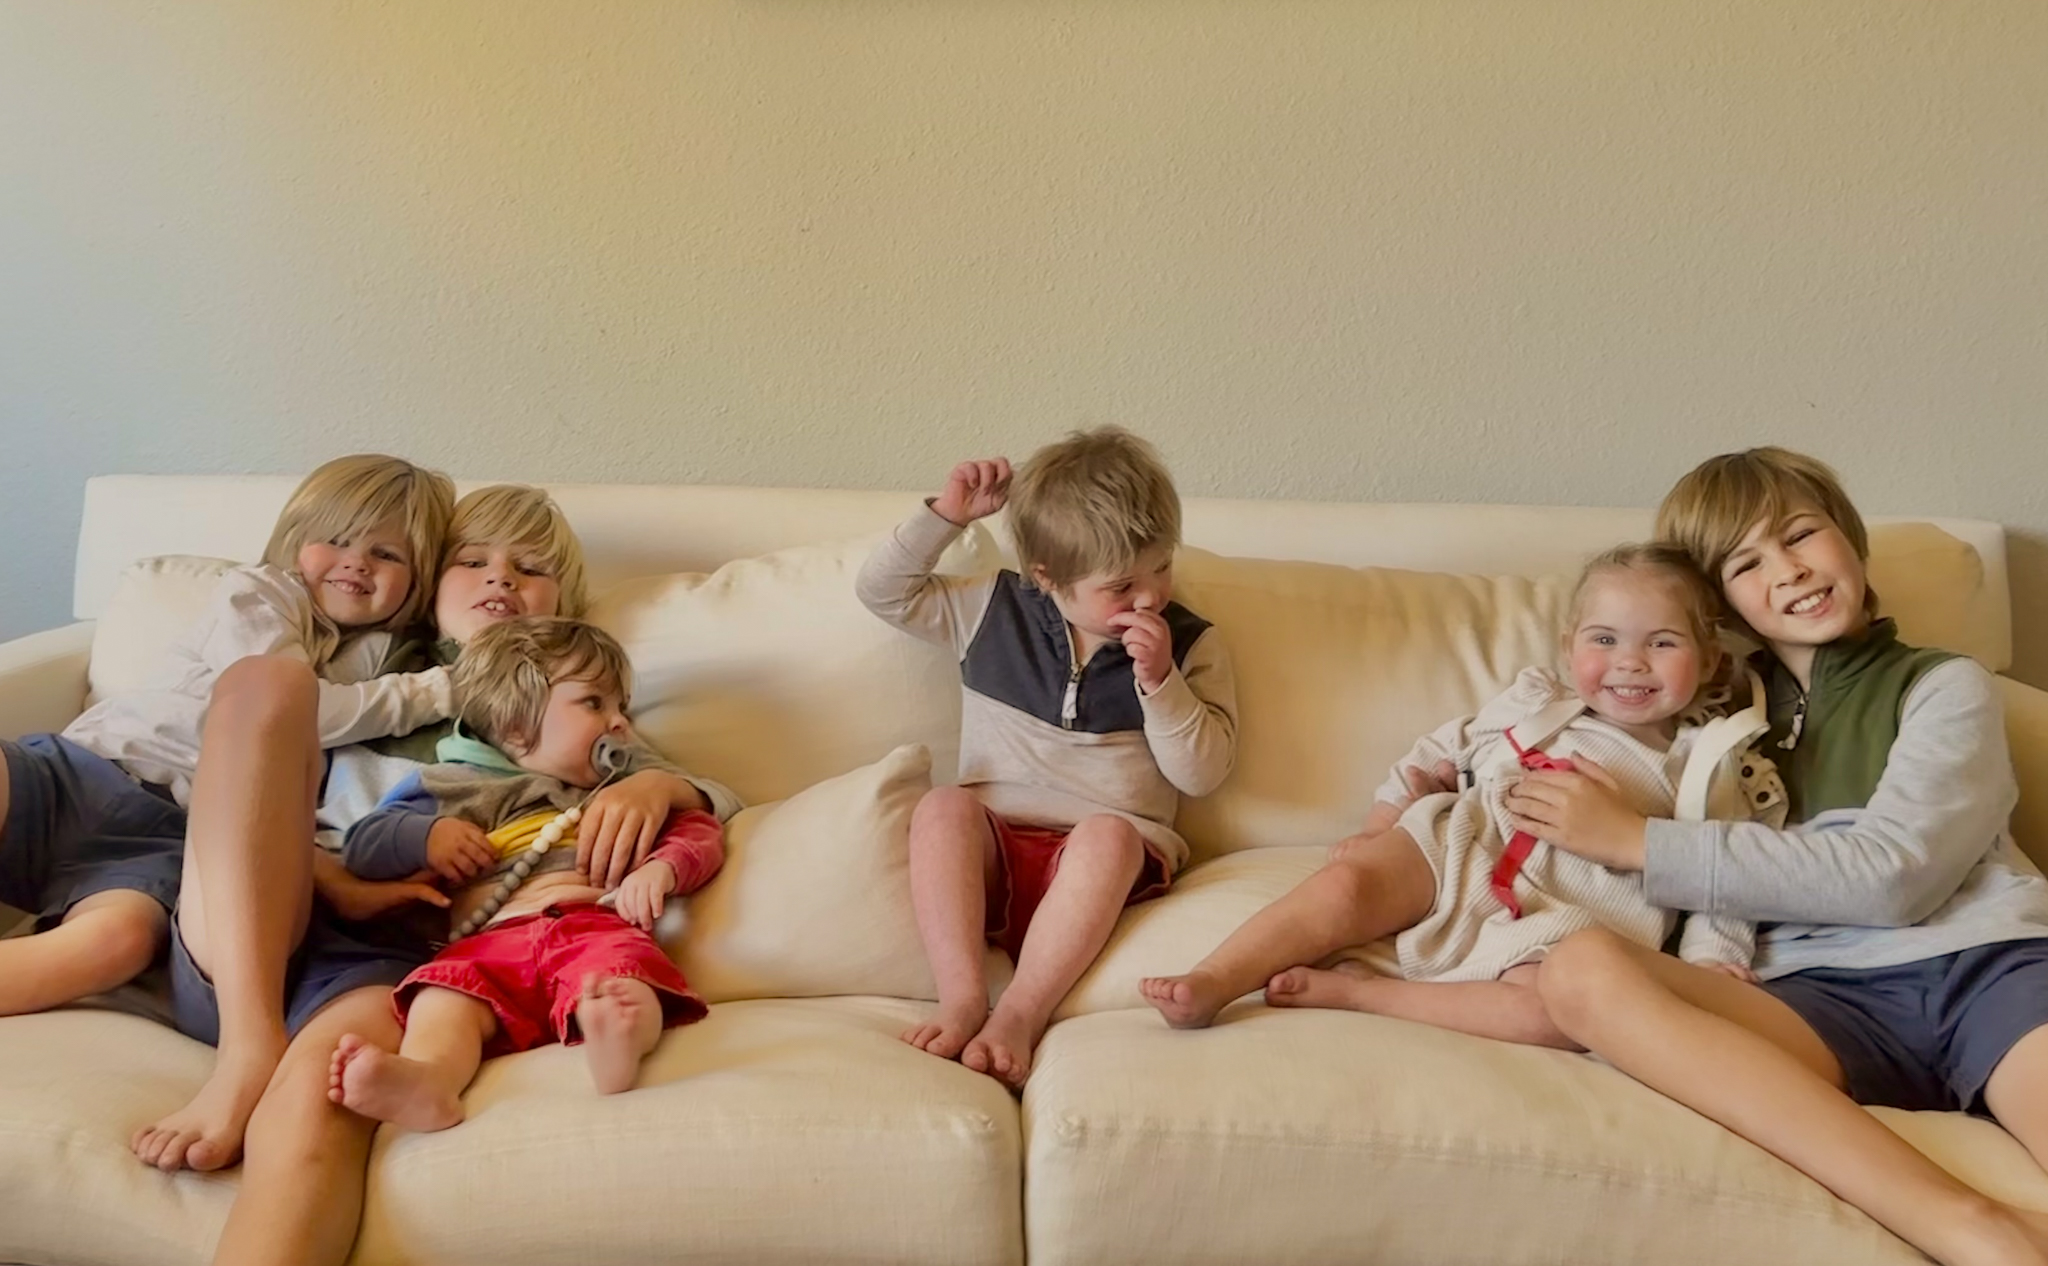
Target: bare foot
(206,1134)
(1187,1002)
(371,1081)
(946,1034)
(1336,989)
(621,1022)
(1003,1048)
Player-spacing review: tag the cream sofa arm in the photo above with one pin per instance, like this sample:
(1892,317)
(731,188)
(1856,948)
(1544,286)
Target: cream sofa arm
(42,679)
(2026,731)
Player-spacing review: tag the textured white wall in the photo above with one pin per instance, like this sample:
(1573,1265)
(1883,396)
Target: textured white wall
(1548,251)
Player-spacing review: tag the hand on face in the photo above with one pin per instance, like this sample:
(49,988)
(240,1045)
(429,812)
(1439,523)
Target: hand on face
(361,580)
(974,490)
(1127,606)
(487,582)
(1149,644)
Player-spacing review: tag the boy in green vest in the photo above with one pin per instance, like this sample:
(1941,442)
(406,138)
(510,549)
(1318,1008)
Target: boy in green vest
(1902,952)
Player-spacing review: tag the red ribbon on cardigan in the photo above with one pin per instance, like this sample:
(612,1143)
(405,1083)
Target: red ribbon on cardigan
(1521,844)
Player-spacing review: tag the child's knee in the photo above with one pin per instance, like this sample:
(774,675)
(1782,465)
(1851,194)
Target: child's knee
(123,929)
(946,804)
(266,684)
(1579,971)
(1108,840)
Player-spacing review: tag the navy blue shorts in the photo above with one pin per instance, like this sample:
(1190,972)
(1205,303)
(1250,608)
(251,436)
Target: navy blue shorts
(336,957)
(78,825)
(1925,1036)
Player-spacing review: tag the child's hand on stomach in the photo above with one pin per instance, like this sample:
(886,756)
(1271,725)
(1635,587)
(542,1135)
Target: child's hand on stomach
(620,825)
(641,896)
(459,851)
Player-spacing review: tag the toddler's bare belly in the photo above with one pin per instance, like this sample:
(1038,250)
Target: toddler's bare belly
(562,887)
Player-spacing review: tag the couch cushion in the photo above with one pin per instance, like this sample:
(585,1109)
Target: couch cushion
(1292,1136)
(1338,670)
(157,600)
(74,1086)
(771,1132)
(814,898)
(769,675)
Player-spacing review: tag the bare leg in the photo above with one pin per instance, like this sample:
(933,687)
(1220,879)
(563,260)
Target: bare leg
(1507,1010)
(952,864)
(420,1088)
(302,1185)
(246,893)
(1097,867)
(1737,1055)
(2017,1093)
(621,1022)
(1374,887)
(104,941)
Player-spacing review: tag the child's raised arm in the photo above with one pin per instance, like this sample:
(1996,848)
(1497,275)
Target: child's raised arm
(897,584)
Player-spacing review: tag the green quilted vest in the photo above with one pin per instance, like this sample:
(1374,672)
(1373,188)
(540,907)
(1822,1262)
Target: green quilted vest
(1831,741)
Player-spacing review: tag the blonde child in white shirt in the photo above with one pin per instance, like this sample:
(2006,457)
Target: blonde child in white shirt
(95,825)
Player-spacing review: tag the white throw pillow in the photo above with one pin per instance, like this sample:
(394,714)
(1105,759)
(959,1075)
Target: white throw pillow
(769,675)
(814,898)
(157,601)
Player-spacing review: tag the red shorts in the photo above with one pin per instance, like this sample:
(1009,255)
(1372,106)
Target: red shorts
(530,972)
(1027,858)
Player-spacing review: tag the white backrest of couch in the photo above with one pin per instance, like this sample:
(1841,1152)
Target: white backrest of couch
(646,529)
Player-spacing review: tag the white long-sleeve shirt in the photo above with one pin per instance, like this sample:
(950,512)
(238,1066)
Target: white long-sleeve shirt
(256,610)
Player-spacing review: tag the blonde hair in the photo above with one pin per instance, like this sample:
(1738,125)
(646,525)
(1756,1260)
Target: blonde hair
(1091,503)
(1699,597)
(352,495)
(1719,501)
(516,515)
(503,677)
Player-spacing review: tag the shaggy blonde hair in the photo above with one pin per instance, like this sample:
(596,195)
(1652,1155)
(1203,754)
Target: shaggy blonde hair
(352,495)
(1090,504)
(505,673)
(1721,500)
(517,516)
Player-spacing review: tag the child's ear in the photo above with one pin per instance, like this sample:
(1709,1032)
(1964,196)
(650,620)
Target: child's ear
(1040,578)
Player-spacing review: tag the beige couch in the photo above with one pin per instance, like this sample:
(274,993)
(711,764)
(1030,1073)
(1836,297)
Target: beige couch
(792,1126)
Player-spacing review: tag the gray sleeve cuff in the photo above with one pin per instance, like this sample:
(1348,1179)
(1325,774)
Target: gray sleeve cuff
(1679,862)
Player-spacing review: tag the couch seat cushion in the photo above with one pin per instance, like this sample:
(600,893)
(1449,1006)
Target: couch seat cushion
(772,1131)
(1291,1136)
(74,1086)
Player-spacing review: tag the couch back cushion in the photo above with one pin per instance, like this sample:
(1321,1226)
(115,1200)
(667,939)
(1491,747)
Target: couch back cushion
(769,675)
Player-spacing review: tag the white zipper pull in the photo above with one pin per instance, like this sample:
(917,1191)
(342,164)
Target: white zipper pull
(1070,706)
(1791,740)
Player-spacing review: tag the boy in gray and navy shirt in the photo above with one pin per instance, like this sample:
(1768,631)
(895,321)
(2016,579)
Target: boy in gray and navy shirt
(1091,702)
